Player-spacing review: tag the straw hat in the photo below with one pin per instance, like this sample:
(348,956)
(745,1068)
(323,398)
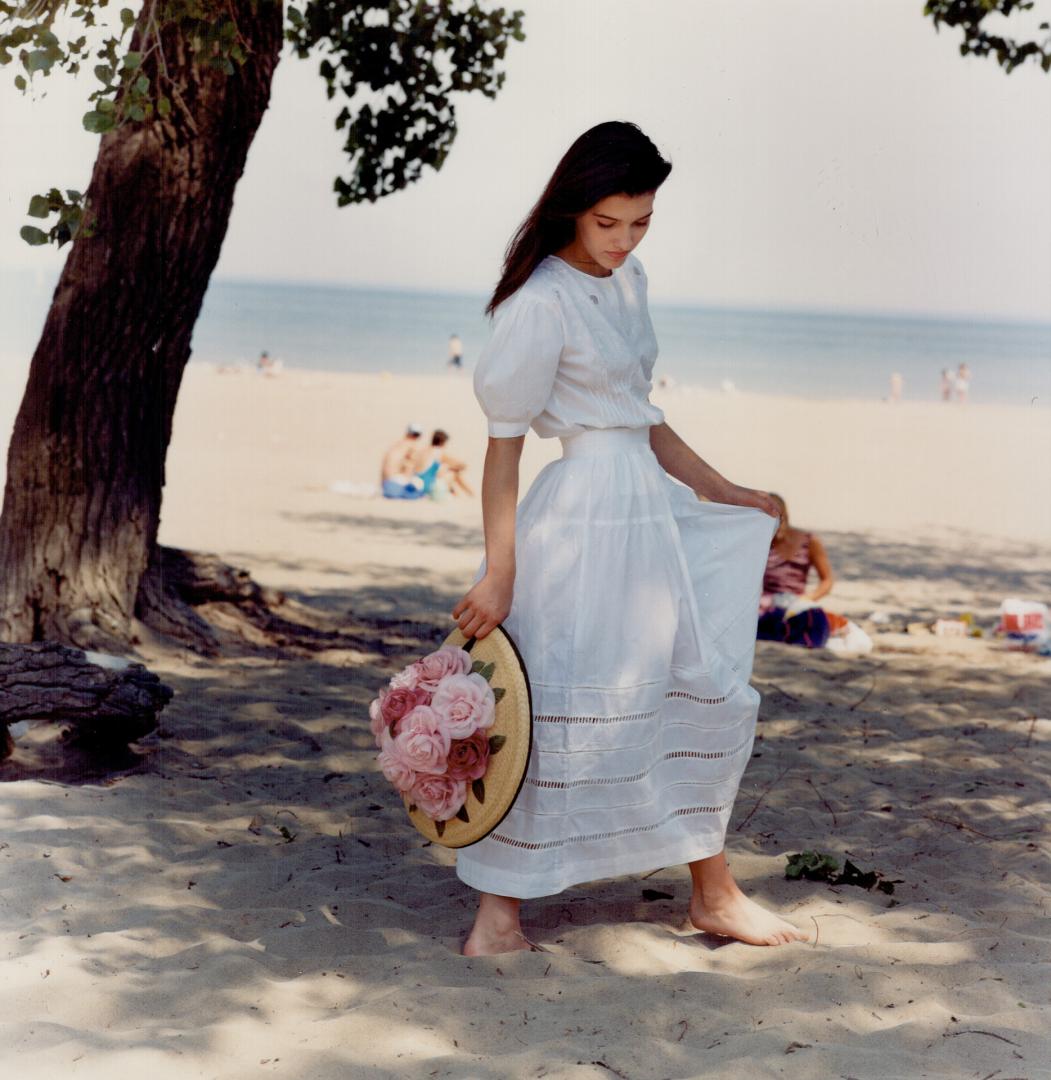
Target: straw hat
(510,740)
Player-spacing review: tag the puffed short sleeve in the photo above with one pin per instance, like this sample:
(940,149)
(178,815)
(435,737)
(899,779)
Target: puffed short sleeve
(516,370)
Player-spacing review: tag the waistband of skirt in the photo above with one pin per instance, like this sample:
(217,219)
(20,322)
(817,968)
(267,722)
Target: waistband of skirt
(601,441)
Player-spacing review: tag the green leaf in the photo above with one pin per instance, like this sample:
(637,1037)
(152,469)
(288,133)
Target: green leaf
(20,82)
(477,666)
(478,790)
(132,61)
(127,18)
(439,828)
(39,206)
(496,743)
(106,105)
(487,671)
(38,60)
(98,122)
(164,106)
(32,235)
(142,84)
(136,112)
(73,195)
(462,814)
(498,692)
(104,73)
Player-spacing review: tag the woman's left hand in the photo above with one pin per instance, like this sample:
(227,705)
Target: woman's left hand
(742,496)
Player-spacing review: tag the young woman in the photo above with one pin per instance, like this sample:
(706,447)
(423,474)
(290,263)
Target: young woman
(633,602)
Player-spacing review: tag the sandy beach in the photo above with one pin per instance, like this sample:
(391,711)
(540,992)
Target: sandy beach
(245,899)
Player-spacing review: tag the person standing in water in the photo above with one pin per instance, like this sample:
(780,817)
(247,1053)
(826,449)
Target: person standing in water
(455,352)
(632,600)
(963,383)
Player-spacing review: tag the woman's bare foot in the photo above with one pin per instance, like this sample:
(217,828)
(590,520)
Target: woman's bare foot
(483,944)
(496,928)
(741,918)
(719,907)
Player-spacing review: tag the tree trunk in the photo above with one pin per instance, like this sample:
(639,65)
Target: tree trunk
(86,464)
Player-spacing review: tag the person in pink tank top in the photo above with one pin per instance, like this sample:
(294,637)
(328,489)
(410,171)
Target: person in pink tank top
(792,553)
(787,612)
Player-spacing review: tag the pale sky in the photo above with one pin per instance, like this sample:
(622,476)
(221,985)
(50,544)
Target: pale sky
(827,154)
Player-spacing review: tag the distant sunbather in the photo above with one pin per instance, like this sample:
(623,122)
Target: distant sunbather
(441,472)
(400,463)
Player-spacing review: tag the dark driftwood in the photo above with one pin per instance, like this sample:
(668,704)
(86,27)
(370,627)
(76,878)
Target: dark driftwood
(48,681)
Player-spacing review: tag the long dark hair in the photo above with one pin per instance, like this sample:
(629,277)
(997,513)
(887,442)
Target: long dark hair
(614,158)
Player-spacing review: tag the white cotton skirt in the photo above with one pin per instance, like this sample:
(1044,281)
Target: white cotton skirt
(635,612)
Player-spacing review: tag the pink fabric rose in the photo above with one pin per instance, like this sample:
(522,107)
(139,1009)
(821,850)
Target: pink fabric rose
(376,723)
(394,706)
(406,679)
(448,660)
(466,704)
(422,743)
(394,766)
(439,797)
(469,758)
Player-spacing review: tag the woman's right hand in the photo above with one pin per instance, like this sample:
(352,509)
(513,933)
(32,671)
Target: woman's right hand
(485,606)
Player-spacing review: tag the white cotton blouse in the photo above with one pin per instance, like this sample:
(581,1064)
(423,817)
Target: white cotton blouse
(570,352)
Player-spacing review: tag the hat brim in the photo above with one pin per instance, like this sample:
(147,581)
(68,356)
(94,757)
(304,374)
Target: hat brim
(507,766)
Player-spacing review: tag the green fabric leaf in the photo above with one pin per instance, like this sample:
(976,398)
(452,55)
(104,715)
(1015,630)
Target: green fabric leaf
(478,790)
(462,814)
(496,743)
(498,692)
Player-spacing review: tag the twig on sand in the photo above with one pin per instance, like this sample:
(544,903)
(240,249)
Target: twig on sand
(823,800)
(616,1072)
(1032,728)
(962,825)
(685,1027)
(784,693)
(817,931)
(977,1031)
(758,802)
(865,696)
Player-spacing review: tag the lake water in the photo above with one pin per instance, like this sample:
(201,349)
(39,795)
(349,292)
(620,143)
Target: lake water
(812,354)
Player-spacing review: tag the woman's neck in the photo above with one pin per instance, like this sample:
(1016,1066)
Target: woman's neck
(580,260)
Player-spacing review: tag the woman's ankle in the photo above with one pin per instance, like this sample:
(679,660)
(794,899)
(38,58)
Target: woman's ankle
(500,913)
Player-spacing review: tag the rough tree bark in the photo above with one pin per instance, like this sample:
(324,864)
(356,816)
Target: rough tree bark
(78,534)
